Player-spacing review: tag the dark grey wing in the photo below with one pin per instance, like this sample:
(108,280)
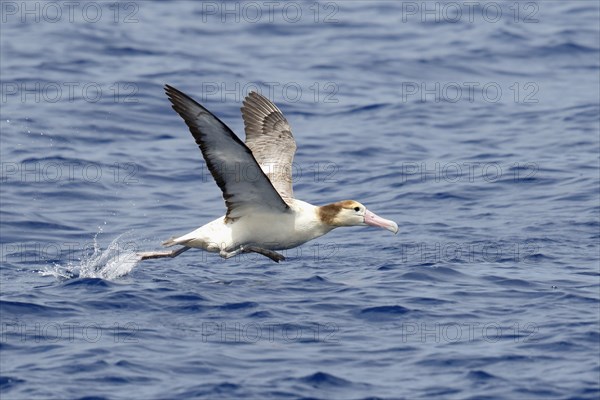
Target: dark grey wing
(245,187)
(270,138)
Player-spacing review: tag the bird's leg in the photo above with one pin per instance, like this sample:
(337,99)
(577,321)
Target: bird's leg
(148,255)
(252,249)
(273,255)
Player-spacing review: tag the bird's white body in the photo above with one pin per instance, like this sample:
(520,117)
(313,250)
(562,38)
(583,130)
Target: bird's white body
(272,231)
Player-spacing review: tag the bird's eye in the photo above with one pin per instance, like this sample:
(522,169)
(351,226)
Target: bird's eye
(357,209)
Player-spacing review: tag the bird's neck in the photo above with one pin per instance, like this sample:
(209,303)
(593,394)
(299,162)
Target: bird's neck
(310,219)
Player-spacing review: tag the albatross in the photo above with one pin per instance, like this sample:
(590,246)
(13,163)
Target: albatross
(256,180)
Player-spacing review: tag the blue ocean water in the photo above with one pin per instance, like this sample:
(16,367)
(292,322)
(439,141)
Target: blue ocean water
(474,126)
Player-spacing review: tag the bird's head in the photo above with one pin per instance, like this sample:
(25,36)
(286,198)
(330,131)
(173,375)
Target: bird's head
(352,213)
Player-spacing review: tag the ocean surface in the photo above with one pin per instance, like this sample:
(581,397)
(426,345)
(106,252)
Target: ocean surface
(473,125)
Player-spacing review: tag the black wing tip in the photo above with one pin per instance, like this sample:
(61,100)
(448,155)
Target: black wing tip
(181,101)
(189,109)
(170,90)
(175,94)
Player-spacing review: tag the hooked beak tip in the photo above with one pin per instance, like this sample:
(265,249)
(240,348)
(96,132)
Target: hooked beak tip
(375,220)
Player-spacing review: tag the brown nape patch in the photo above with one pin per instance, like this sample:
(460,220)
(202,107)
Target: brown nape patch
(328,213)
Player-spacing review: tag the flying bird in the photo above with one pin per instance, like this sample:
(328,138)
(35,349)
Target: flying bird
(256,180)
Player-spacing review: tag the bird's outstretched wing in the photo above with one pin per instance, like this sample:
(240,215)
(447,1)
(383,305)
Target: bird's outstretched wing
(270,138)
(246,188)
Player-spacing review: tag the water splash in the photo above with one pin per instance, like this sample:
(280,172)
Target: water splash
(117,260)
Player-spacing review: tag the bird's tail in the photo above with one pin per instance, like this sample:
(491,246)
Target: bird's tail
(170,242)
